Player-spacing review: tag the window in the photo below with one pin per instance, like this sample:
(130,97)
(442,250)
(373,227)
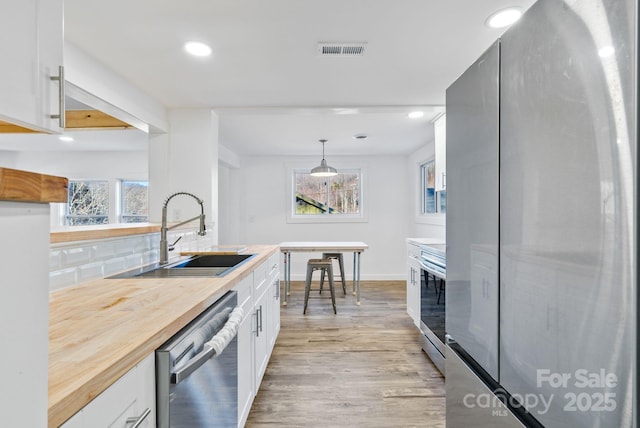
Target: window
(431,202)
(134,201)
(321,199)
(88,203)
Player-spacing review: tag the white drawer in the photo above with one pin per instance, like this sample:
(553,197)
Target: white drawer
(273,267)
(260,278)
(243,289)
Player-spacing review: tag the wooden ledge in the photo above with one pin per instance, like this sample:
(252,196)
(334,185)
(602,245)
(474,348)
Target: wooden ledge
(24,186)
(84,233)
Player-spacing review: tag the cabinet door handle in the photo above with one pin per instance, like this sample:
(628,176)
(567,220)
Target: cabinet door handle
(444,180)
(61,105)
(137,421)
(257,324)
(260,318)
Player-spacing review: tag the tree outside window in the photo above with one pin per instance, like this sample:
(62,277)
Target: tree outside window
(327,195)
(135,201)
(88,203)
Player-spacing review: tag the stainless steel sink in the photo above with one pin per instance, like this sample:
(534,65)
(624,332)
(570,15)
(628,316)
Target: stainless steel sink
(206,265)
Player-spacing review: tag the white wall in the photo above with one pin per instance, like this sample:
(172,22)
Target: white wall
(186,160)
(80,165)
(229,211)
(256,194)
(130,165)
(8,159)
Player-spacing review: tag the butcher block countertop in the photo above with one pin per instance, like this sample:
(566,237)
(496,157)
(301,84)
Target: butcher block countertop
(101,329)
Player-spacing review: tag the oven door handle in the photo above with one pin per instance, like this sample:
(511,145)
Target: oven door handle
(213,347)
(432,269)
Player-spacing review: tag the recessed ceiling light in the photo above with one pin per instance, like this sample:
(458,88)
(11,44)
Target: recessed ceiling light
(197,48)
(416,114)
(65,138)
(606,51)
(360,137)
(504,18)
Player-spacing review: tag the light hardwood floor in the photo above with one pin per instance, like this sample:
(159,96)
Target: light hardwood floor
(360,368)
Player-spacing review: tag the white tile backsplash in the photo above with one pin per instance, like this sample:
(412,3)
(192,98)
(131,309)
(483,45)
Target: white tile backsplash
(133,260)
(76,256)
(115,265)
(104,250)
(90,271)
(55,260)
(62,278)
(72,263)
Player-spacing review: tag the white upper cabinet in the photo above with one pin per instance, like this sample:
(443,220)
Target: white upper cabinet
(440,131)
(31,56)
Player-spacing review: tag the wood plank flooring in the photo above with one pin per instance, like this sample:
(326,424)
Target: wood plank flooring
(360,368)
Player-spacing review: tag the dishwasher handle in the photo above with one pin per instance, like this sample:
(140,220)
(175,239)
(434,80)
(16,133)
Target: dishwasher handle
(213,347)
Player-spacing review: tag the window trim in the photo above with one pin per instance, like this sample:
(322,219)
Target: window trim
(59,210)
(292,217)
(437,218)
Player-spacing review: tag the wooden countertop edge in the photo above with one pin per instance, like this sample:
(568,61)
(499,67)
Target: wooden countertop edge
(25,186)
(64,402)
(102,232)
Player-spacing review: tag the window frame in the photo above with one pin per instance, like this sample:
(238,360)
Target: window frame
(437,217)
(59,210)
(292,217)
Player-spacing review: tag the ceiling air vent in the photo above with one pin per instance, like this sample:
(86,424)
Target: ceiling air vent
(341,48)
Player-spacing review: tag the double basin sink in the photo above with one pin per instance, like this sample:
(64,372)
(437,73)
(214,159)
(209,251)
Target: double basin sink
(205,265)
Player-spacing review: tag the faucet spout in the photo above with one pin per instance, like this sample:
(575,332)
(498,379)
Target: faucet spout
(164,247)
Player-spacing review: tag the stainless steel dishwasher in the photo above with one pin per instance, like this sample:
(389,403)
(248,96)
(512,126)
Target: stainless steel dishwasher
(197,370)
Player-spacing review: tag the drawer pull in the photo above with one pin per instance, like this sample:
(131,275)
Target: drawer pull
(137,421)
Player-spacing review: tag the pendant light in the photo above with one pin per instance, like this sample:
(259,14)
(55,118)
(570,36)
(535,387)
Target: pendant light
(323,170)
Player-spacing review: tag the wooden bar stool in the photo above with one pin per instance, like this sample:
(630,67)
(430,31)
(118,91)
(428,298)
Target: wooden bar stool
(338,257)
(325,266)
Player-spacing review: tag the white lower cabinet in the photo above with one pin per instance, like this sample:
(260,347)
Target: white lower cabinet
(129,401)
(413,283)
(262,341)
(258,330)
(246,366)
(274,313)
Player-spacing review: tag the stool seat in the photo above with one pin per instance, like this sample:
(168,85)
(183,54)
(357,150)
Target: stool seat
(325,266)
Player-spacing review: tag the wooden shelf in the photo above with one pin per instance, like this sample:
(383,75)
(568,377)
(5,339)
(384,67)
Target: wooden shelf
(24,186)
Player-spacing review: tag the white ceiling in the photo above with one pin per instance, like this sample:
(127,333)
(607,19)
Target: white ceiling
(273,92)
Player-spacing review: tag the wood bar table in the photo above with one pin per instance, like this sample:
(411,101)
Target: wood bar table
(323,247)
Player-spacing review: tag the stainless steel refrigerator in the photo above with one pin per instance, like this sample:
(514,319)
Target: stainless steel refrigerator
(542,223)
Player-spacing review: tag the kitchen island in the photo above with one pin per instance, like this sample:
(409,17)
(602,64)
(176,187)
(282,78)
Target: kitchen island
(101,329)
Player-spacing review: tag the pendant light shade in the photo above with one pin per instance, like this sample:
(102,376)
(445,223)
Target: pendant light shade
(323,170)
